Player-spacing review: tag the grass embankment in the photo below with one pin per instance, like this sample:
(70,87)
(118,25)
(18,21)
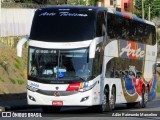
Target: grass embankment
(158,88)
(12,71)
(158,80)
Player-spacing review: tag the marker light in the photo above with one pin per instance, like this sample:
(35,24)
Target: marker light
(127,16)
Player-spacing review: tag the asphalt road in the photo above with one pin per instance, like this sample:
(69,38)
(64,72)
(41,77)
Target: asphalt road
(81,113)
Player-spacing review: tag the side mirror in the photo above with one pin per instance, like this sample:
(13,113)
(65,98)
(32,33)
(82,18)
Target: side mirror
(19,46)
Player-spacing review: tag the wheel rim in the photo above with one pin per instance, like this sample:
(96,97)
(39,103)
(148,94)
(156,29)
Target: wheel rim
(144,99)
(146,96)
(112,100)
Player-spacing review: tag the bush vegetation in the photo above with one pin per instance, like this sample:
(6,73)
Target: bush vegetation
(12,80)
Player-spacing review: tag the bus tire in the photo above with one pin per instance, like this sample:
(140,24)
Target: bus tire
(51,109)
(145,98)
(113,98)
(111,101)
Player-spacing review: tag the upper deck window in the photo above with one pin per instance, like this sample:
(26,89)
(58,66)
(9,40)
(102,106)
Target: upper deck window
(60,25)
(128,29)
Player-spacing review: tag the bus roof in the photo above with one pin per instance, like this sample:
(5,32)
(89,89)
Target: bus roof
(73,7)
(96,9)
(133,17)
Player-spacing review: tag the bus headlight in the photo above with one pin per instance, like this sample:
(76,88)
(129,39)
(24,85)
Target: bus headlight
(84,89)
(33,89)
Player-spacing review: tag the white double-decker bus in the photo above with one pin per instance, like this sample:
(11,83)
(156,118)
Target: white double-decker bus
(90,56)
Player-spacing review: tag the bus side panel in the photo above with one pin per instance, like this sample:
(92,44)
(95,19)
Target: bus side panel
(149,69)
(151,55)
(111,51)
(129,85)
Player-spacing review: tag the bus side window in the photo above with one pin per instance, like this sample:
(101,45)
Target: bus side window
(153,31)
(110,69)
(99,23)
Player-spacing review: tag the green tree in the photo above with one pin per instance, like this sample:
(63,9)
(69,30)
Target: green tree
(93,2)
(155,8)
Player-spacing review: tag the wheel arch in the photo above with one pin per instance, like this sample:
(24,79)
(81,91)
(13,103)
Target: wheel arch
(109,88)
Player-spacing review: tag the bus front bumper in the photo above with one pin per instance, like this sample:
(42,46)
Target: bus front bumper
(79,99)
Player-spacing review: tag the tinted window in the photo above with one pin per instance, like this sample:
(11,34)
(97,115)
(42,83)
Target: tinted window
(122,28)
(120,67)
(98,60)
(63,25)
(99,23)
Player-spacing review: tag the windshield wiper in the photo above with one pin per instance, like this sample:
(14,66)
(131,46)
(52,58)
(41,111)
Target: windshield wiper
(81,78)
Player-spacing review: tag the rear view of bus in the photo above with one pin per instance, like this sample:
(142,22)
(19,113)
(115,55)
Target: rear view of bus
(61,69)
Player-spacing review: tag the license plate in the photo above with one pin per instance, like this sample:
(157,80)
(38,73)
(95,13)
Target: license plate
(57,103)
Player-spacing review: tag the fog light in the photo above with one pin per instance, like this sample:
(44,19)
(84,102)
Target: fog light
(32,98)
(84,99)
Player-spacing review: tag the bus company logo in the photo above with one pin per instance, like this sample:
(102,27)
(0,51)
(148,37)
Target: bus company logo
(131,50)
(57,88)
(56,92)
(47,14)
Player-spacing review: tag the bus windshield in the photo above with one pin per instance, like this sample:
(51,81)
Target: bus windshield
(54,66)
(61,25)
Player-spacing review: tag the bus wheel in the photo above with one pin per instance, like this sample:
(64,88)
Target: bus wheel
(113,98)
(51,109)
(107,104)
(104,103)
(110,105)
(145,98)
